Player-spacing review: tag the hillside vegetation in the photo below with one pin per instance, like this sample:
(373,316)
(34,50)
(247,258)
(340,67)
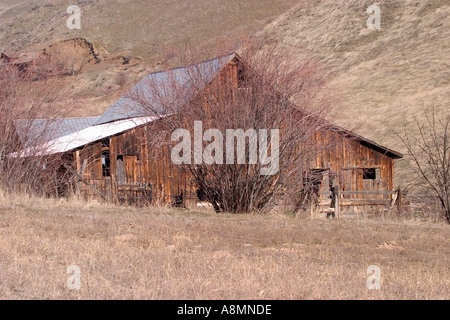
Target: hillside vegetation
(145,28)
(140,29)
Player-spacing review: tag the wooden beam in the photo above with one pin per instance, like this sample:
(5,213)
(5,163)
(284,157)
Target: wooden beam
(368,192)
(114,196)
(362,167)
(399,200)
(365,202)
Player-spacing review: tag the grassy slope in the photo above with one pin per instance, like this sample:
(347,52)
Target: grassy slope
(7,4)
(146,28)
(384,77)
(129,253)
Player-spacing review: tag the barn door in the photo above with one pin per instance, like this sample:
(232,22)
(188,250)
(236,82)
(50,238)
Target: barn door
(120,170)
(128,170)
(327,181)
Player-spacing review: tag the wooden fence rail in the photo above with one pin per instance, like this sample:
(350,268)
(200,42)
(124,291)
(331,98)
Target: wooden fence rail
(393,199)
(338,199)
(345,193)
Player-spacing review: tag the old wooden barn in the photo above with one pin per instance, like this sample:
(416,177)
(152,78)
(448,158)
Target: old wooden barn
(112,156)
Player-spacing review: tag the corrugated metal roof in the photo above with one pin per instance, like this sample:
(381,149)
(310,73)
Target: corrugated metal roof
(83,137)
(43,130)
(160,89)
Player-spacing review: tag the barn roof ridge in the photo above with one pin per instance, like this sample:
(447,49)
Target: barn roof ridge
(228,56)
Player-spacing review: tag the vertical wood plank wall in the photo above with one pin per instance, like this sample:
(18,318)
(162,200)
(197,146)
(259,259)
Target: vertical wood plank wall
(346,159)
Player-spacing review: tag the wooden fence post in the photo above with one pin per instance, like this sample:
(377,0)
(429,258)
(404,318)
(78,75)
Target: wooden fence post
(114,191)
(336,201)
(399,200)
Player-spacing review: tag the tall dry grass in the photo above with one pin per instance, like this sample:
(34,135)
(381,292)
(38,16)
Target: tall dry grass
(162,253)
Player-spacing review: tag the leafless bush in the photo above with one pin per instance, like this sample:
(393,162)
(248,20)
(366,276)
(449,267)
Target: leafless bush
(22,100)
(429,148)
(271,91)
(121,79)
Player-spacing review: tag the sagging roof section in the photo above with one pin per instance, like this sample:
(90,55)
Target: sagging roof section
(366,142)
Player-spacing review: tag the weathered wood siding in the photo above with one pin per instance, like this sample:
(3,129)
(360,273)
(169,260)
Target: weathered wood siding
(344,161)
(137,168)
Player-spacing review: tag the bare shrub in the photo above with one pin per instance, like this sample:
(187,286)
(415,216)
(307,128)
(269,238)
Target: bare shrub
(262,97)
(23,99)
(121,79)
(429,149)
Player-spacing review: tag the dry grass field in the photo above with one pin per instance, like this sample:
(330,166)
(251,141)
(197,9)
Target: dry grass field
(161,253)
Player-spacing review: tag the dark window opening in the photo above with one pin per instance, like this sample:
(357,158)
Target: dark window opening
(120,157)
(241,78)
(201,196)
(106,143)
(370,174)
(106,164)
(106,161)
